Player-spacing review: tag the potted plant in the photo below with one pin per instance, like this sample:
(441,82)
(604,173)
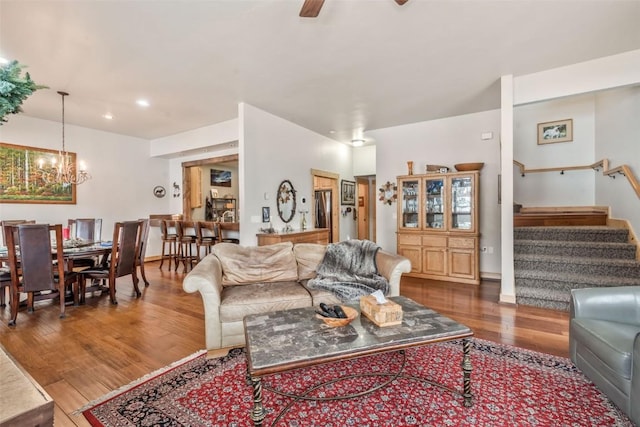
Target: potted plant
(14,88)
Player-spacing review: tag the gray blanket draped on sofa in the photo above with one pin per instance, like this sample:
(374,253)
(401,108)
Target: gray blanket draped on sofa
(349,270)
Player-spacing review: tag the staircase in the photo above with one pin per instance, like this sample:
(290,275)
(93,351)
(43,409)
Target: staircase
(549,261)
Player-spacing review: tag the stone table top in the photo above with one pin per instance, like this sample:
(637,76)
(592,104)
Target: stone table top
(289,339)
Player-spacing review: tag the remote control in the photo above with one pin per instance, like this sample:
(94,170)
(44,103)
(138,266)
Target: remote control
(340,312)
(330,312)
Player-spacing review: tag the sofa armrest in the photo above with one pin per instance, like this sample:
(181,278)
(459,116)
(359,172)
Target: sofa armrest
(206,278)
(614,304)
(391,267)
(634,395)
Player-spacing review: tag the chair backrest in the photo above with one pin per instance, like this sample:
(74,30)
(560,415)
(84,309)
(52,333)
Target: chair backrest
(168,228)
(6,222)
(143,239)
(186,229)
(36,261)
(126,247)
(86,228)
(206,231)
(223,232)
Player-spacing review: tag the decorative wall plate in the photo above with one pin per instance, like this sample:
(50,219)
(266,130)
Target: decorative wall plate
(159,191)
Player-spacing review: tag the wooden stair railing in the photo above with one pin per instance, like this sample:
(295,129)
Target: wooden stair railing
(623,170)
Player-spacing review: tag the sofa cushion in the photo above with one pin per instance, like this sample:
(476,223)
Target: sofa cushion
(240,301)
(321,295)
(256,264)
(308,256)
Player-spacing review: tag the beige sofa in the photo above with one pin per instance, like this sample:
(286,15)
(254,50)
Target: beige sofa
(235,281)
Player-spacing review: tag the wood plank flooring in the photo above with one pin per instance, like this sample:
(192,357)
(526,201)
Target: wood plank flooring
(99,347)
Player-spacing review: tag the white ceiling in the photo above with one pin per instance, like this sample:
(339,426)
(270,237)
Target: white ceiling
(361,65)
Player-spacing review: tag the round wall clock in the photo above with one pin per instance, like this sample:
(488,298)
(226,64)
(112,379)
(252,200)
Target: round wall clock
(159,191)
(388,193)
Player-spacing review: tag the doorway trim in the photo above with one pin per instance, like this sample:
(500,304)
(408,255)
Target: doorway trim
(186,179)
(332,177)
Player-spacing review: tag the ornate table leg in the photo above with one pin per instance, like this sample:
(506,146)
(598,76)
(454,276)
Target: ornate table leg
(258,413)
(466,372)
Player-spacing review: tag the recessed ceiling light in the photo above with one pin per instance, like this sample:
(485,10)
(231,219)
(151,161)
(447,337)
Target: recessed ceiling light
(357,142)
(108,116)
(142,102)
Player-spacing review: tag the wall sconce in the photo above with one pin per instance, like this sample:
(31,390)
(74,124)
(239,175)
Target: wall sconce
(176,190)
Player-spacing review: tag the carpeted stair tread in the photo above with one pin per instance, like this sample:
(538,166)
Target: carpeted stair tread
(551,261)
(574,280)
(596,233)
(542,303)
(544,294)
(576,248)
(567,264)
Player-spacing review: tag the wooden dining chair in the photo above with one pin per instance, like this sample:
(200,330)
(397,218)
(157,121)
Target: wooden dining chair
(87,229)
(186,231)
(5,281)
(39,274)
(143,249)
(122,261)
(169,237)
(6,222)
(206,236)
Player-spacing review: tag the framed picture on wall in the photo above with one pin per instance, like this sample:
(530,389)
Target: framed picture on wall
(220,178)
(558,131)
(266,214)
(29,175)
(348,193)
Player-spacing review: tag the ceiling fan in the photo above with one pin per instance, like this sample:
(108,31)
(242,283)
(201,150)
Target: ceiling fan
(311,8)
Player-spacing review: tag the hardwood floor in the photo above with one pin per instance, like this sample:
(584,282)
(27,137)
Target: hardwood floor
(99,347)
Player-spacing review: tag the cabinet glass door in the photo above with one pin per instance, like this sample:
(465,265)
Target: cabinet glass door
(461,203)
(409,193)
(434,203)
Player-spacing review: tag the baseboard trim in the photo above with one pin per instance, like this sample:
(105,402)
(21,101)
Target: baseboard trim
(507,299)
(490,276)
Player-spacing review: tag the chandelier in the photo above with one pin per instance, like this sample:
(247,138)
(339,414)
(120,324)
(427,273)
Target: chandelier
(62,169)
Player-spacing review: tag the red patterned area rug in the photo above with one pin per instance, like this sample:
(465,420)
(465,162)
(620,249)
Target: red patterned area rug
(511,387)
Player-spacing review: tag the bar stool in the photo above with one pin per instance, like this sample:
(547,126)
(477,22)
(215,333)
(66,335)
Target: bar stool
(186,231)
(206,236)
(169,233)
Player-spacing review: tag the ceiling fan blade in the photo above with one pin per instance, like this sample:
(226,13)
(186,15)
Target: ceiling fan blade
(311,8)
(401,2)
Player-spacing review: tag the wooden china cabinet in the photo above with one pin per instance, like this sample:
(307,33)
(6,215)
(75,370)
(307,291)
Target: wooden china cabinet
(438,225)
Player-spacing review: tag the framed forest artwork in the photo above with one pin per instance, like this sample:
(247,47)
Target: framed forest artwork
(22,179)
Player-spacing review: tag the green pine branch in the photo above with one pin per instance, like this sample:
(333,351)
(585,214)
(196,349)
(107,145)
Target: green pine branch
(14,89)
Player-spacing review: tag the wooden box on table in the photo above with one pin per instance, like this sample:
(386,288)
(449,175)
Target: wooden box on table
(387,314)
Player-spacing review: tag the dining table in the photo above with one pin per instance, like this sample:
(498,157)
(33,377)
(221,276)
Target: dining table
(72,249)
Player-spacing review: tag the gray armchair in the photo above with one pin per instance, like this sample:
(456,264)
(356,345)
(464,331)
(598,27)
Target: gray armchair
(604,342)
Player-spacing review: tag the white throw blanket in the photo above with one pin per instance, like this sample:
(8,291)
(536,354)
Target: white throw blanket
(349,270)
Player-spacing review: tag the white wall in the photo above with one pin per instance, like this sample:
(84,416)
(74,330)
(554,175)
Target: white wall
(200,139)
(443,142)
(573,188)
(617,134)
(123,175)
(273,149)
(364,160)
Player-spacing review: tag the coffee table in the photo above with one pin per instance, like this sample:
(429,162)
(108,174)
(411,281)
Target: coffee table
(291,339)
